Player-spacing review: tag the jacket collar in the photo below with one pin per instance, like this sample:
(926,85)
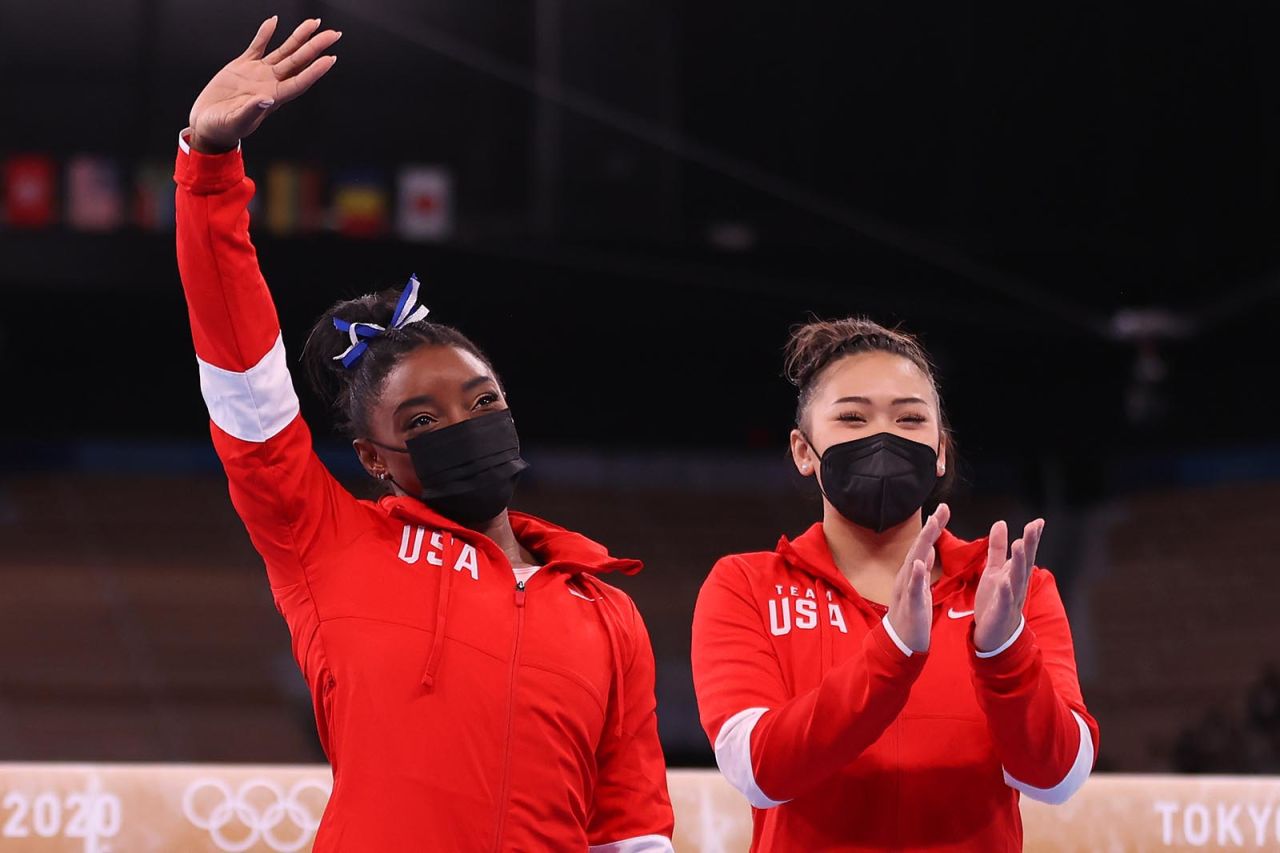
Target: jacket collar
(554,546)
(962,561)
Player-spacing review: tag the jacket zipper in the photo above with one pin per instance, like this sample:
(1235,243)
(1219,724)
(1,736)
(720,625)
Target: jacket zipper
(504,791)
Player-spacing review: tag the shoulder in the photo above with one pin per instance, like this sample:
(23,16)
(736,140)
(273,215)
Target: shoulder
(738,576)
(746,568)
(600,587)
(1042,582)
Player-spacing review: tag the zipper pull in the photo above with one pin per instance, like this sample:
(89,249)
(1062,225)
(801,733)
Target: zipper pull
(519,593)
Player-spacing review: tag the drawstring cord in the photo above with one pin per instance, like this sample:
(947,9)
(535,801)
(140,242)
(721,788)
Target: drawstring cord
(824,616)
(444,586)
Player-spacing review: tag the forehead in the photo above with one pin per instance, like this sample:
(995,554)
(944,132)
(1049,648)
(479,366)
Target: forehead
(431,370)
(873,375)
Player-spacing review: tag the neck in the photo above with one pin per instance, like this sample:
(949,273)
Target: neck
(499,530)
(859,551)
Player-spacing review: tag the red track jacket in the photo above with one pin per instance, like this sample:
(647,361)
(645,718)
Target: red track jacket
(459,713)
(842,739)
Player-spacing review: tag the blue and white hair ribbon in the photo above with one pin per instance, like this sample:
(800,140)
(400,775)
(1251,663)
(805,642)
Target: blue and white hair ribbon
(408,310)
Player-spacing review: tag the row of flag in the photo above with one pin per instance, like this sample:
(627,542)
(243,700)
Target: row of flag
(95,194)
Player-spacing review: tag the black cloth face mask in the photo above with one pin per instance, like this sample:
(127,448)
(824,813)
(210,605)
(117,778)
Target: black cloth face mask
(468,470)
(879,481)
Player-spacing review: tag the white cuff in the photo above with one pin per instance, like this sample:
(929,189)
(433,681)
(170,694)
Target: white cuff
(1022,623)
(186,146)
(1075,778)
(733,756)
(893,635)
(639,844)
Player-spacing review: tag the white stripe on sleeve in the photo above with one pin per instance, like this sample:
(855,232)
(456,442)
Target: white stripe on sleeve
(1013,638)
(639,844)
(254,405)
(1075,778)
(893,635)
(733,756)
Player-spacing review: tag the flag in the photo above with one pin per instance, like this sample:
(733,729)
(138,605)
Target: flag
(282,198)
(359,204)
(29,186)
(153,197)
(95,201)
(293,199)
(425,204)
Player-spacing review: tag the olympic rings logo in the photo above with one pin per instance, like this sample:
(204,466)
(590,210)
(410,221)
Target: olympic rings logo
(260,808)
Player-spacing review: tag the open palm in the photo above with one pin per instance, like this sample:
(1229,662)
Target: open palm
(256,83)
(1002,590)
(911,608)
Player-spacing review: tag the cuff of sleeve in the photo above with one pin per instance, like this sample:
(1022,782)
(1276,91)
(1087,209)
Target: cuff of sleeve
(1009,657)
(1013,638)
(206,174)
(893,635)
(895,655)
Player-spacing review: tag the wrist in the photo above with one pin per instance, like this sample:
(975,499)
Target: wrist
(204,145)
(907,641)
(989,649)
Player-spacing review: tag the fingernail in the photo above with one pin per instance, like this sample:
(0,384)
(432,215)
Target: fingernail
(262,105)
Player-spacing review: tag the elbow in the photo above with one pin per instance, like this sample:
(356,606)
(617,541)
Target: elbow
(1074,779)
(733,757)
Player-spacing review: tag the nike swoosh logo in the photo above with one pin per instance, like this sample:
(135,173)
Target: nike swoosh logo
(573,591)
(958,614)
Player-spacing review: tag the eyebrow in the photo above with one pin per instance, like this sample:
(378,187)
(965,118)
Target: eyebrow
(420,400)
(901,401)
(428,400)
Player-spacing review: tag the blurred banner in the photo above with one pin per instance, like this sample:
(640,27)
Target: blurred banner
(424,210)
(113,808)
(29,191)
(95,195)
(360,205)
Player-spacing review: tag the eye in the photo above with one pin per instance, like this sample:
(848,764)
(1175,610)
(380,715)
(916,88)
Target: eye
(485,400)
(420,421)
(851,417)
(913,419)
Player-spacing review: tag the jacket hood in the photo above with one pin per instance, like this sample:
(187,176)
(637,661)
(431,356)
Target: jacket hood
(557,547)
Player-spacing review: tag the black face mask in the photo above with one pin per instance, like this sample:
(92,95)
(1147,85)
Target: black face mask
(879,481)
(468,470)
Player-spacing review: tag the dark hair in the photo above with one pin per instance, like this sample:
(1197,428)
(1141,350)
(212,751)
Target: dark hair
(349,392)
(816,345)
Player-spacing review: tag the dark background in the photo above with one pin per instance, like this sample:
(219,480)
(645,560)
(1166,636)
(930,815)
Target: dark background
(1041,192)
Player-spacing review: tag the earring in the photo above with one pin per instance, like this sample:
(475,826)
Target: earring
(383,475)
(804,467)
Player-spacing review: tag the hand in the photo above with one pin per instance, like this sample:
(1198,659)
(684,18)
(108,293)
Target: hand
(911,610)
(1002,590)
(252,86)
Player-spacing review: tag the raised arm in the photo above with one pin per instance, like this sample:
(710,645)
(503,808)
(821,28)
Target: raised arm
(288,501)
